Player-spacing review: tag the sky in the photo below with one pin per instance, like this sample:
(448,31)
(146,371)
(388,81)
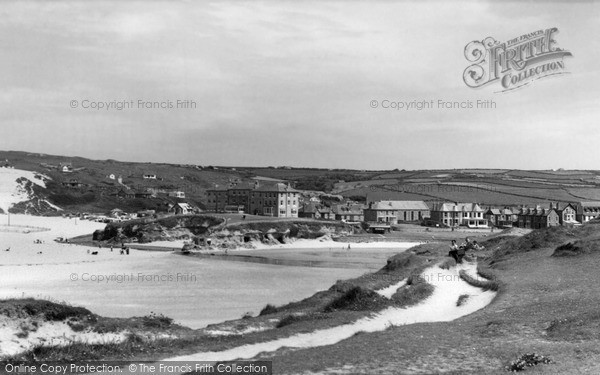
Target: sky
(298,83)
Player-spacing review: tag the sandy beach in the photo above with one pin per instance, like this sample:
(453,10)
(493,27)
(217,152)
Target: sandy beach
(194,292)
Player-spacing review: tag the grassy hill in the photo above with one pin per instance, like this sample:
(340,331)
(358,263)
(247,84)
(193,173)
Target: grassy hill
(487,186)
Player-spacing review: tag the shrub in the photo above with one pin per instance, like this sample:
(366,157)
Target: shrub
(418,291)
(483,284)
(357,299)
(156,321)
(576,248)
(269,309)
(462,299)
(527,360)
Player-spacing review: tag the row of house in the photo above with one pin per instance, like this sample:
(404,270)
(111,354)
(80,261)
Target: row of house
(349,212)
(453,214)
(268,199)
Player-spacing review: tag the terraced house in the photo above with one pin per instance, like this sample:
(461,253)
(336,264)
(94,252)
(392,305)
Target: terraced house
(538,217)
(456,214)
(587,211)
(275,199)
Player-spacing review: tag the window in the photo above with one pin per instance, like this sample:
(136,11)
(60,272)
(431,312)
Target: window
(282,212)
(282,203)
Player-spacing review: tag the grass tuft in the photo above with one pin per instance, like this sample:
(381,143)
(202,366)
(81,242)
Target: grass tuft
(479,283)
(268,309)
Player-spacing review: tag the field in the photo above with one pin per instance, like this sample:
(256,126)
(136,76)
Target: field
(498,187)
(487,187)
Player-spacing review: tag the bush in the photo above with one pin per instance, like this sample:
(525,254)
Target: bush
(269,309)
(53,311)
(418,291)
(527,360)
(156,321)
(479,283)
(576,248)
(400,261)
(357,299)
(462,299)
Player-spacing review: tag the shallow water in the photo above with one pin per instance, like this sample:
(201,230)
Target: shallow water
(194,292)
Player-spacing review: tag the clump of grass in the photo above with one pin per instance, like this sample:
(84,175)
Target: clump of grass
(418,289)
(295,318)
(357,299)
(77,326)
(400,261)
(577,248)
(462,299)
(584,326)
(486,273)
(447,264)
(154,320)
(51,311)
(479,283)
(268,309)
(527,360)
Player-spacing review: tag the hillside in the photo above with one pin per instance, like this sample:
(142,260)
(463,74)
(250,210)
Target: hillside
(93,188)
(90,186)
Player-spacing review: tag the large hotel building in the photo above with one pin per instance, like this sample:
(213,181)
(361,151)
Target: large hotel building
(275,199)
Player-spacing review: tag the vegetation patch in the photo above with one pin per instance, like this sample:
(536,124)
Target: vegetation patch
(415,291)
(480,283)
(51,311)
(527,360)
(538,239)
(462,299)
(576,248)
(584,326)
(268,309)
(358,299)
(295,318)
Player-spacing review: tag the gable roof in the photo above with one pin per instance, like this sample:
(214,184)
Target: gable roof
(353,209)
(493,211)
(399,205)
(458,207)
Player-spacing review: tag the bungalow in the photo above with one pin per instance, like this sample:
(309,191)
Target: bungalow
(65,167)
(587,211)
(116,213)
(536,218)
(143,194)
(146,213)
(455,214)
(149,176)
(72,183)
(125,194)
(176,194)
(182,209)
(393,212)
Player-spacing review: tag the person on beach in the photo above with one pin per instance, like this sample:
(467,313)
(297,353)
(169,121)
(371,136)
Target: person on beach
(453,250)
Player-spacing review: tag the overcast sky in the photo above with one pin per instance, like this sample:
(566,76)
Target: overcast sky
(291,83)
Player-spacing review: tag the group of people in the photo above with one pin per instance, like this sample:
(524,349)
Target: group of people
(458,252)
